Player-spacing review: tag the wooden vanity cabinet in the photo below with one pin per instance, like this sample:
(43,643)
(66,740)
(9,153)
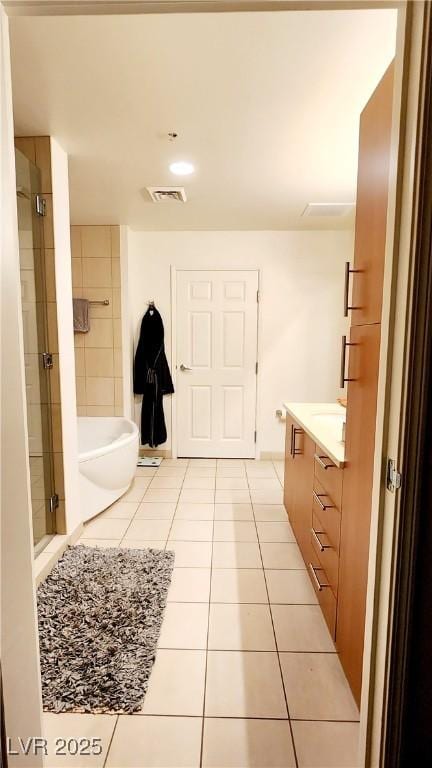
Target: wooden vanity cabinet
(299,464)
(305,498)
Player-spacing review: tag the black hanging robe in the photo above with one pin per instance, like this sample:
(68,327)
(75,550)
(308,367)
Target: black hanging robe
(152,378)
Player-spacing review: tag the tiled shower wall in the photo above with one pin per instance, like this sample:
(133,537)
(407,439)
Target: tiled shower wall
(98,353)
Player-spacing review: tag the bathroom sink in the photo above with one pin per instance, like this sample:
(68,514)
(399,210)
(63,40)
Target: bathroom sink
(333,422)
(329,416)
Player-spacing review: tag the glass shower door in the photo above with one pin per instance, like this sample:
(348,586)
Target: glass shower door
(36,352)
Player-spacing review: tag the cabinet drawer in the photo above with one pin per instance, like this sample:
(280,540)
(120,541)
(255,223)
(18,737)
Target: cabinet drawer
(329,475)
(324,594)
(325,553)
(329,516)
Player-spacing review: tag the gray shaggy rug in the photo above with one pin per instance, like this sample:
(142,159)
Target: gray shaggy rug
(100,612)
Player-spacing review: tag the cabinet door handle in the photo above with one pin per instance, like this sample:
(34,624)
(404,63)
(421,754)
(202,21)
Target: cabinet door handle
(292,438)
(320,461)
(317,497)
(296,431)
(320,585)
(348,272)
(343,378)
(316,535)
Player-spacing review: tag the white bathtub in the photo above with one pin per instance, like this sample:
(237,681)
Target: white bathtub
(108,451)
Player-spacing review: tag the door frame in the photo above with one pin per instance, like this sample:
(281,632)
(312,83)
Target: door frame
(391,413)
(173,276)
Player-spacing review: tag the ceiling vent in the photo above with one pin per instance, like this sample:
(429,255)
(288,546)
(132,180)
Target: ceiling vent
(163,194)
(328,209)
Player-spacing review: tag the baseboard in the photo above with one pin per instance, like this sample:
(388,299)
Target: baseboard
(272,456)
(165,453)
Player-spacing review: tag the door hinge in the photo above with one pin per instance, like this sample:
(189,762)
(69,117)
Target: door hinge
(394,478)
(47,360)
(256,368)
(255,436)
(258,296)
(40,205)
(54,502)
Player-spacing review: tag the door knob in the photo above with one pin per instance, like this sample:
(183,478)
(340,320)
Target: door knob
(184,367)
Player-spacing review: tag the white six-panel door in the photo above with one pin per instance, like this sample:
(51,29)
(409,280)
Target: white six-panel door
(216,363)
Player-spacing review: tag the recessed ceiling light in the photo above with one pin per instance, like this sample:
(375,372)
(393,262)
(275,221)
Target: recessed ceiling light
(182,168)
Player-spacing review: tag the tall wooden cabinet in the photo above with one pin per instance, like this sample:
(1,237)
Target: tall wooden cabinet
(362,376)
(329,506)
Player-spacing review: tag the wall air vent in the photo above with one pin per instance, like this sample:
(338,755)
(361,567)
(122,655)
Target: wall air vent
(163,194)
(328,209)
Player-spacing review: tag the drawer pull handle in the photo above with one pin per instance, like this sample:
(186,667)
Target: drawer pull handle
(316,535)
(317,497)
(321,461)
(320,585)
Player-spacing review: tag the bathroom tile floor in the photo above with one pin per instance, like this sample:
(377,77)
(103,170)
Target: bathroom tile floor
(246,672)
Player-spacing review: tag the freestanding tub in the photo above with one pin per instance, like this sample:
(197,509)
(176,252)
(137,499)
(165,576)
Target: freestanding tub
(107,453)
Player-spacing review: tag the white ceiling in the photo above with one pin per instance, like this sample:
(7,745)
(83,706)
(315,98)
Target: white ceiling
(266,106)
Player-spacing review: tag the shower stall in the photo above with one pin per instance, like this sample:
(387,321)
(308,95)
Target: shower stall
(37,358)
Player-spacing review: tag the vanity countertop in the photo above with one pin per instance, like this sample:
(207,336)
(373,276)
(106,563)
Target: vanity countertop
(323,423)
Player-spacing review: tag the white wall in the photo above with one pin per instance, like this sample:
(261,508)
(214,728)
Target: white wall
(63,276)
(19,644)
(300,313)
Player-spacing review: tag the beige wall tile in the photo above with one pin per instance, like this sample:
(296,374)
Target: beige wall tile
(52,326)
(55,380)
(96,242)
(118,363)
(99,362)
(100,410)
(118,392)
(58,474)
(97,273)
(80,369)
(99,391)
(115,242)
(77,275)
(76,242)
(117,334)
(79,340)
(81,390)
(48,229)
(100,334)
(56,428)
(116,302)
(99,294)
(50,274)
(116,278)
(61,517)
(43,162)
(96,268)
(26,145)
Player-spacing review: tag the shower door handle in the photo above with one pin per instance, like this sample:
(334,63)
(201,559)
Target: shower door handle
(184,367)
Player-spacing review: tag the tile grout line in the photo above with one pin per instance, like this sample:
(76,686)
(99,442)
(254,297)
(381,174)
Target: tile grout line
(207,649)
(110,742)
(173,517)
(276,646)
